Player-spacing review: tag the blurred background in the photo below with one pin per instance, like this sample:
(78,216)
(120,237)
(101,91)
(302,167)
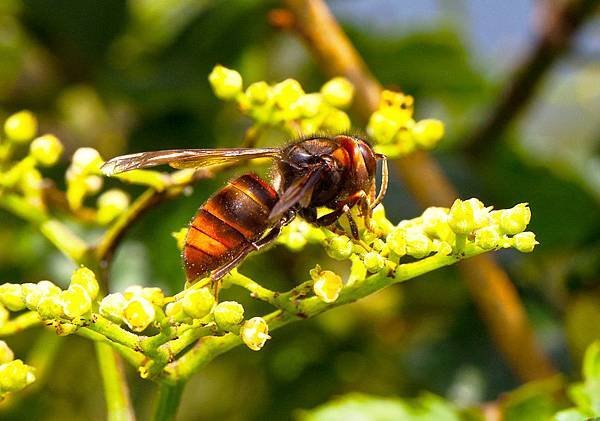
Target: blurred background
(128,76)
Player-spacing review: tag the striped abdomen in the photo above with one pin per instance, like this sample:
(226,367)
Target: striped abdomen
(227,223)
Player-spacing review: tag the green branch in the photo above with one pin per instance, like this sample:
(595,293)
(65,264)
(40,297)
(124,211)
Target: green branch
(115,384)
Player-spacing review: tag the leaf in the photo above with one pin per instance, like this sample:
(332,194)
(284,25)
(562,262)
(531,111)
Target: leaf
(360,407)
(532,401)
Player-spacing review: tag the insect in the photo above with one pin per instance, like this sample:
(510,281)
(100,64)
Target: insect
(336,172)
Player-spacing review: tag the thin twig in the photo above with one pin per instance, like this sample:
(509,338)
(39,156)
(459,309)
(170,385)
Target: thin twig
(560,22)
(503,311)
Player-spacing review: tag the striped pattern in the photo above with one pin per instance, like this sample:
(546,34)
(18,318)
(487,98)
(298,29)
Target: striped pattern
(227,223)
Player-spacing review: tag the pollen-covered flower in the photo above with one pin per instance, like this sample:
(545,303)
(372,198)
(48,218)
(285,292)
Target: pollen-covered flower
(15,376)
(228,315)
(468,215)
(339,247)
(514,220)
(35,292)
(111,204)
(327,284)
(487,238)
(254,333)
(85,278)
(11,297)
(21,127)
(525,242)
(258,93)
(396,241)
(374,262)
(87,160)
(418,245)
(287,92)
(226,83)
(46,149)
(75,301)
(138,314)
(428,132)
(112,307)
(338,92)
(198,303)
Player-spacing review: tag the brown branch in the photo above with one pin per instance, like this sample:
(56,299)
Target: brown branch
(495,295)
(560,21)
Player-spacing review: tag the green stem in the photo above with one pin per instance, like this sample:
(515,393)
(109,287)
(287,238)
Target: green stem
(209,347)
(134,358)
(114,332)
(65,240)
(116,390)
(169,396)
(19,323)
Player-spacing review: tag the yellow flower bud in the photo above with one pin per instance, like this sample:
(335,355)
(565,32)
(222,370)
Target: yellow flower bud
(50,307)
(382,128)
(12,297)
(487,238)
(308,105)
(396,241)
(338,92)
(111,204)
(374,262)
(466,216)
(228,314)
(258,93)
(434,221)
(36,292)
(85,278)
(112,307)
(46,149)
(226,83)
(336,121)
(15,376)
(327,285)
(418,245)
(75,301)
(6,354)
(21,127)
(87,160)
(138,314)
(154,295)
(198,303)
(525,242)
(427,133)
(287,92)
(254,333)
(339,247)
(515,219)
(174,310)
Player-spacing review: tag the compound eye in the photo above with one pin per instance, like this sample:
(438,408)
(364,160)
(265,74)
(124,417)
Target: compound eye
(368,157)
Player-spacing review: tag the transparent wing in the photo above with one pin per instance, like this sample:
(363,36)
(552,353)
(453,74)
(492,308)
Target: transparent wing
(299,192)
(184,158)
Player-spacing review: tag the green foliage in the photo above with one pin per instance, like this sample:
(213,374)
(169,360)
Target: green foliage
(364,407)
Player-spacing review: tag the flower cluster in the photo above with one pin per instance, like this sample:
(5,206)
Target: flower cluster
(467,227)
(65,309)
(394,130)
(23,177)
(14,374)
(285,104)
(139,308)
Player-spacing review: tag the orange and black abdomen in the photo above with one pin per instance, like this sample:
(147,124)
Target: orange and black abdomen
(227,223)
